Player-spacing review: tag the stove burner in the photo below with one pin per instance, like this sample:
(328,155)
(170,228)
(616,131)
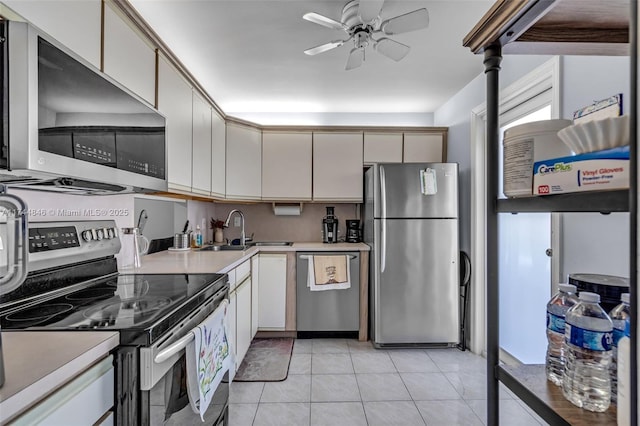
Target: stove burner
(128,308)
(38,314)
(91,294)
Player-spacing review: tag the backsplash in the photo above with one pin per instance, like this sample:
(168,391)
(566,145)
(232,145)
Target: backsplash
(266,226)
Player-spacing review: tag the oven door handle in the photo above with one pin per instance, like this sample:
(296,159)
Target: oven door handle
(174,348)
(181,343)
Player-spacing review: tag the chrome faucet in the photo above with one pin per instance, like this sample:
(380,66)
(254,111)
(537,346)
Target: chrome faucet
(226,224)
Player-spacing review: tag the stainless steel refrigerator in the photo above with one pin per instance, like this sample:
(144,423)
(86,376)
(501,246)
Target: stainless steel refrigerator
(411,224)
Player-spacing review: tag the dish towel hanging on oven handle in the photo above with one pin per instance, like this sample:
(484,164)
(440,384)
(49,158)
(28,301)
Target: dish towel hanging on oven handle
(328,273)
(209,356)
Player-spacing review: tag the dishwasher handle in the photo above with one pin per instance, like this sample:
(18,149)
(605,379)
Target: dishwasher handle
(307,257)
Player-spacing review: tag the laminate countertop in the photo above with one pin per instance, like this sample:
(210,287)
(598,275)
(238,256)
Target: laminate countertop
(204,262)
(38,362)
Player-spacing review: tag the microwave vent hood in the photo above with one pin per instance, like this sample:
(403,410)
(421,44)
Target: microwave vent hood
(67,127)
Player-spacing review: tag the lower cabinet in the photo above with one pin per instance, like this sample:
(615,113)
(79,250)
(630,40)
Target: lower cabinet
(243,319)
(86,400)
(272,291)
(231,315)
(255,294)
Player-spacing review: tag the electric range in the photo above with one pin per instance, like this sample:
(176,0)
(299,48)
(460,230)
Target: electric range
(74,284)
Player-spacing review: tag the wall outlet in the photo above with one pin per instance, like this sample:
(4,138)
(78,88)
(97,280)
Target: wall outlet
(236,221)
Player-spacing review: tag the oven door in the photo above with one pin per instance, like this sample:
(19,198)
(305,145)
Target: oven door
(163,377)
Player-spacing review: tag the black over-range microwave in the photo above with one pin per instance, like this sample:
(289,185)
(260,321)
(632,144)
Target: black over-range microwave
(68,127)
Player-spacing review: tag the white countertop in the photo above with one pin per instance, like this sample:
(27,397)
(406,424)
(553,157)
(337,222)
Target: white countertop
(38,362)
(202,262)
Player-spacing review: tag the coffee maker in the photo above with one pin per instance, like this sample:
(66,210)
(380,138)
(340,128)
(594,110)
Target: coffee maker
(330,227)
(353,231)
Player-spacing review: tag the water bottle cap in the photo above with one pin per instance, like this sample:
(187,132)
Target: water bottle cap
(625,298)
(567,288)
(589,297)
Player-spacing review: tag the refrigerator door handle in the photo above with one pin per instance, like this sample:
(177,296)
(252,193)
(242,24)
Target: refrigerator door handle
(383,217)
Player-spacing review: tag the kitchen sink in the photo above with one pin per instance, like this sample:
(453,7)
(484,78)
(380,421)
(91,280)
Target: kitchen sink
(223,248)
(270,243)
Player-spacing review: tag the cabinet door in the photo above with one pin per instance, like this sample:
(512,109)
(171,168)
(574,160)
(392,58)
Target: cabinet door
(337,166)
(423,148)
(127,57)
(255,280)
(286,166)
(218,156)
(231,317)
(201,161)
(175,102)
(244,162)
(382,148)
(272,291)
(75,24)
(243,319)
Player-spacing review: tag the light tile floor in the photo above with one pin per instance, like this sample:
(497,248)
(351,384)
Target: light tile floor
(342,382)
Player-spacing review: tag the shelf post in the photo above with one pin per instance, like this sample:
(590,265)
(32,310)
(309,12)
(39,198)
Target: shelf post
(633,210)
(492,59)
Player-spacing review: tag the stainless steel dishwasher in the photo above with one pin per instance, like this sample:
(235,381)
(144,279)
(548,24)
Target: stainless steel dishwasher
(328,313)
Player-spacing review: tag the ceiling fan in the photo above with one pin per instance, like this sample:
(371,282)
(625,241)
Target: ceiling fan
(362,23)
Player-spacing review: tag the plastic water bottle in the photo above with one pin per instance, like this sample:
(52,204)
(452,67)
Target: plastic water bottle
(624,377)
(619,316)
(557,308)
(586,382)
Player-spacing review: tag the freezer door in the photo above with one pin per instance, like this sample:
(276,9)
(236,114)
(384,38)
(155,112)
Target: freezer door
(415,282)
(428,190)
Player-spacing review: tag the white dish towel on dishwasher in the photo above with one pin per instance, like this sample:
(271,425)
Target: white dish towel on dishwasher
(328,273)
(209,356)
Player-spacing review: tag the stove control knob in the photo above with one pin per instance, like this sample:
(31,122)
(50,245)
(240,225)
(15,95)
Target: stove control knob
(87,235)
(114,232)
(99,234)
(108,233)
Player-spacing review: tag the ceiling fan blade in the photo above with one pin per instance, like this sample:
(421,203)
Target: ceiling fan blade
(356,57)
(324,47)
(323,20)
(391,49)
(368,10)
(412,21)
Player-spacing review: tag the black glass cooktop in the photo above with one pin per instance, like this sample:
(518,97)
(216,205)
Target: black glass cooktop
(141,307)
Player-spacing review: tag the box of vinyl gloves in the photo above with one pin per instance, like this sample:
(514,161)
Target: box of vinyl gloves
(591,171)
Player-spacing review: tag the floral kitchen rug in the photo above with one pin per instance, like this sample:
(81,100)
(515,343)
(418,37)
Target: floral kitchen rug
(267,360)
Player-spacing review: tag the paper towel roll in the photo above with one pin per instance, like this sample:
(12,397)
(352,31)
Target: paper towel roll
(287,210)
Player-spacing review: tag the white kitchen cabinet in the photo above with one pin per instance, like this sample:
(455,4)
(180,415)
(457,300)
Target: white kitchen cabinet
(175,101)
(255,296)
(243,318)
(86,399)
(272,291)
(337,166)
(244,162)
(382,147)
(218,155)
(286,166)
(75,24)
(231,317)
(128,58)
(423,147)
(201,157)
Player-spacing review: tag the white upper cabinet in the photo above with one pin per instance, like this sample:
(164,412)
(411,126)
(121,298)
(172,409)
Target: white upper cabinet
(286,166)
(75,24)
(423,147)
(244,162)
(218,156)
(337,166)
(175,102)
(127,57)
(382,147)
(201,164)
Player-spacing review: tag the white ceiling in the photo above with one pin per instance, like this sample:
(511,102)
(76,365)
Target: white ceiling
(248,55)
